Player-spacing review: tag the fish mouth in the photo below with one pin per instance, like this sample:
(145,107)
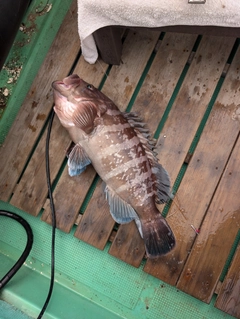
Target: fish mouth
(66,83)
(60,89)
(55,84)
(72,79)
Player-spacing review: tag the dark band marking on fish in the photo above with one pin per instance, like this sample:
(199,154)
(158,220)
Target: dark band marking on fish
(124,167)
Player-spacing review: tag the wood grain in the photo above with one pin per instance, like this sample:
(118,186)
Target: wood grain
(124,78)
(175,140)
(70,191)
(96,223)
(37,105)
(68,196)
(207,164)
(150,104)
(119,87)
(31,193)
(228,299)
(218,232)
(128,245)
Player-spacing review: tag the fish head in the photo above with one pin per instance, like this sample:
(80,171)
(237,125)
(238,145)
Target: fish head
(78,103)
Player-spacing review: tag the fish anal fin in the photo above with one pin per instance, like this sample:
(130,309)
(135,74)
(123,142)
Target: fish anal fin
(121,211)
(77,160)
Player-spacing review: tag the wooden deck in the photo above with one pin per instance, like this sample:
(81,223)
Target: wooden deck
(187,88)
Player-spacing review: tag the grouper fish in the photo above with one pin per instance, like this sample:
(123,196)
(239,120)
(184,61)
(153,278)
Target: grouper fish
(120,148)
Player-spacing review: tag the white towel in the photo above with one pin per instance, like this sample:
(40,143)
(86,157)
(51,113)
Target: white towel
(95,14)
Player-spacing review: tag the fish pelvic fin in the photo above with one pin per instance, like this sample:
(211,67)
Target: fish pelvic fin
(161,180)
(158,236)
(77,160)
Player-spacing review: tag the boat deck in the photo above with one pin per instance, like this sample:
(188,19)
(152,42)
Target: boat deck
(186,88)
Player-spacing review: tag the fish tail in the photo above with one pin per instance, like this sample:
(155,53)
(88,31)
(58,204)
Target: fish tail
(158,236)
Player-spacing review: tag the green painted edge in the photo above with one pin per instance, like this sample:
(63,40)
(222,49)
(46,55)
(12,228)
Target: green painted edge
(31,57)
(28,289)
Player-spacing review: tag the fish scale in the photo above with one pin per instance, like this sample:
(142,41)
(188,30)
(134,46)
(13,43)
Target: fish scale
(120,148)
(124,163)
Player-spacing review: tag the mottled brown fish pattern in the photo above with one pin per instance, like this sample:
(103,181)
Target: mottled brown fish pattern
(120,148)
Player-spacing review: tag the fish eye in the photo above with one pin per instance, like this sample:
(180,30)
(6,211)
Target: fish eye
(89,86)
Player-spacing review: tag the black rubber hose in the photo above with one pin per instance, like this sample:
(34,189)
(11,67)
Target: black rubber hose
(28,229)
(53,218)
(26,251)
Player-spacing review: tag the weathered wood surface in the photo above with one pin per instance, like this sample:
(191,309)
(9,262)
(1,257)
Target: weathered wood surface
(208,195)
(96,223)
(207,164)
(119,87)
(31,192)
(174,143)
(218,232)
(67,204)
(37,105)
(151,102)
(228,298)
(71,191)
(124,78)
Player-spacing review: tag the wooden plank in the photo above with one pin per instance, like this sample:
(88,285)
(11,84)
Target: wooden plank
(70,191)
(37,105)
(151,102)
(228,299)
(212,153)
(66,203)
(191,101)
(124,78)
(172,55)
(119,86)
(96,223)
(128,245)
(31,192)
(176,137)
(218,232)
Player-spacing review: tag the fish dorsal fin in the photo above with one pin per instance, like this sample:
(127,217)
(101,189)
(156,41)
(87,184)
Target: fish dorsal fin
(84,116)
(141,130)
(121,211)
(162,185)
(77,160)
(161,180)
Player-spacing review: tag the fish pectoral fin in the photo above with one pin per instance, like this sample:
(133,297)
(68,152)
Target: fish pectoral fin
(77,160)
(121,211)
(84,117)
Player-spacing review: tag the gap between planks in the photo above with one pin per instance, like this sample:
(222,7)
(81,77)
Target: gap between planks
(34,112)
(228,299)
(196,191)
(153,97)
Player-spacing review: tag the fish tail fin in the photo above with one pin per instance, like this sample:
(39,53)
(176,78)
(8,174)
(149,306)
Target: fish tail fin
(158,236)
